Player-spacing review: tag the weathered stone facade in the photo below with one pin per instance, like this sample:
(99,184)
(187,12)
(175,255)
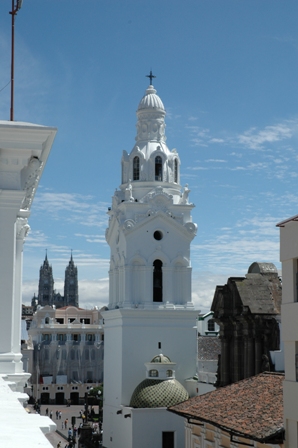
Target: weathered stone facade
(247,309)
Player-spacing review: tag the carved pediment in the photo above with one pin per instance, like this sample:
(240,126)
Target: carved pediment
(159,199)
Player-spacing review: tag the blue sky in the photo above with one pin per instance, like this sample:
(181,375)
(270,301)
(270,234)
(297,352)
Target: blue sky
(227,75)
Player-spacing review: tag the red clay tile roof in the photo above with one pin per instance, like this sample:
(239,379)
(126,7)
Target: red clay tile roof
(70,306)
(252,408)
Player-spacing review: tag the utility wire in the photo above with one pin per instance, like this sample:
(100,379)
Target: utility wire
(5,86)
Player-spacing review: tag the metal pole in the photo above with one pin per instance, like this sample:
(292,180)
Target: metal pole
(12,61)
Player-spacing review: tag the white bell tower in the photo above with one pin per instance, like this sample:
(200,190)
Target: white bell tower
(150,226)
(150,307)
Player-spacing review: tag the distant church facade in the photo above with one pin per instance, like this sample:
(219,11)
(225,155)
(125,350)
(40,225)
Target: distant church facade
(47,295)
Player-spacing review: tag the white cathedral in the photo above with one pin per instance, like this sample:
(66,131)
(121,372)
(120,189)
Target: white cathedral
(150,335)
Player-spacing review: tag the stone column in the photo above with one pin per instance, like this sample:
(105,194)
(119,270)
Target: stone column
(22,229)
(10,356)
(225,361)
(236,368)
(258,346)
(250,356)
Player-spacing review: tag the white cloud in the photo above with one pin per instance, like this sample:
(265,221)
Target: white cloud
(97,238)
(82,209)
(216,161)
(203,288)
(234,249)
(91,293)
(256,139)
(216,140)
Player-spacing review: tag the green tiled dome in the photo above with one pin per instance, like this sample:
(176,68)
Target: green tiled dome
(158,394)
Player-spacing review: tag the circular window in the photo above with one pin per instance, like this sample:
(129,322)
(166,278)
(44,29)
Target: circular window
(157,235)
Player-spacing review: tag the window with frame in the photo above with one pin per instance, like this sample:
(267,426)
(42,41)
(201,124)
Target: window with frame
(157,281)
(211,325)
(61,337)
(169,373)
(153,373)
(46,337)
(136,168)
(176,171)
(76,337)
(85,321)
(90,337)
(158,168)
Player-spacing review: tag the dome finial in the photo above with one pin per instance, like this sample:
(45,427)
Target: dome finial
(151,77)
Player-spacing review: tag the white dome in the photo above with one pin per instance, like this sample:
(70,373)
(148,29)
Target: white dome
(150,100)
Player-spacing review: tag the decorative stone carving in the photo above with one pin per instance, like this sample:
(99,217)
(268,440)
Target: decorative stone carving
(128,192)
(184,197)
(159,193)
(191,227)
(22,228)
(30,176)
(128,224)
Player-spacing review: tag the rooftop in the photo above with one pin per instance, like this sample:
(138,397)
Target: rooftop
(209,347)
(238,409)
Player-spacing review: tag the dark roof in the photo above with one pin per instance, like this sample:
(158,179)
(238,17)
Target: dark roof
(251,408)
(283,223)
(261,293)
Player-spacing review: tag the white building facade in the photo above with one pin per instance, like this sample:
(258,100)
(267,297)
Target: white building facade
(24,149)
(208,352)
(150,307)
(289,319)
(67,354)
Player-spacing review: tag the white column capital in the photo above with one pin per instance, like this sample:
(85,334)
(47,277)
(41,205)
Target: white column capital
(22,228)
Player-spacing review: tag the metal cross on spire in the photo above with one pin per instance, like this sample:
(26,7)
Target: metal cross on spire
(151,77)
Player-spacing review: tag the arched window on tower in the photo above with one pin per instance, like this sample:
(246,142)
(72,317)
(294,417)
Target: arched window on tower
(157,281)
(158,168)
(136,168)
(176,171)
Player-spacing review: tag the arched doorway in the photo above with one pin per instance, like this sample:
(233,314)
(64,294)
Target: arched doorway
(60,398)
(44,398)
(74,397)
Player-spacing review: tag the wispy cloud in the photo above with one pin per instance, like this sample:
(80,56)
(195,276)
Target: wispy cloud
(257,139)
(215,160)
(234,249)
(75,207)
(253,138)
(92,238)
